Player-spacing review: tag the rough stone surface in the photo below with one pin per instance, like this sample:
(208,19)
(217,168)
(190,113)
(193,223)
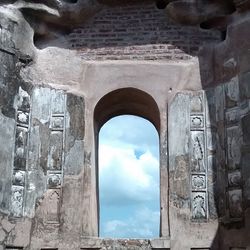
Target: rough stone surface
(99,59)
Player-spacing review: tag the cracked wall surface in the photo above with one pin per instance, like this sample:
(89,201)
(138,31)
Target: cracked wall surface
(188,60)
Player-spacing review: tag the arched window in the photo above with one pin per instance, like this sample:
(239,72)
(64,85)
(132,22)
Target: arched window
(121,222)
(129,178)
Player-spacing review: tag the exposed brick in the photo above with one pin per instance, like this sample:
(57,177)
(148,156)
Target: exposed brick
(138,32)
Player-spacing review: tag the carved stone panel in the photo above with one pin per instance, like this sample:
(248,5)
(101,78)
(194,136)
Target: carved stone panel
(197,151)
(55,150)
(234,142)
(23,101)
(233,116)
(18,178)
(234,179)
(57,102)
(199,205)
(198,181)
(196,103)
(21,148)
(57,123)
(23,107)
(54,179)
(17,200)
(235,203)
(22,118)
(232,93)
(197,121)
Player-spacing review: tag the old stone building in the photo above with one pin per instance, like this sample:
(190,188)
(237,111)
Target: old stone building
(68,66)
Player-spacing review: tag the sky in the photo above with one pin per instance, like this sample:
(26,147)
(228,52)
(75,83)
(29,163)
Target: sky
(129,178)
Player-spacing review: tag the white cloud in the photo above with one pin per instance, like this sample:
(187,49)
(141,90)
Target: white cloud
(135,179)
(142,224)
(129,178)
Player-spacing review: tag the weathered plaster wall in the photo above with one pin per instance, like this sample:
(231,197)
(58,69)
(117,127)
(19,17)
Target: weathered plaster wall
(49,194)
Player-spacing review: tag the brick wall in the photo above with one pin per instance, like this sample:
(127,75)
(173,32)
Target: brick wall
(139,32)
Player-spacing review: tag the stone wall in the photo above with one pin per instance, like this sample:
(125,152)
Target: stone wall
(48,131)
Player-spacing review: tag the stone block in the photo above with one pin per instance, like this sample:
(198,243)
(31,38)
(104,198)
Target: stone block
(196,103)
(57,102)
(196,121)
(234,179)
(235,203)
(18,178)
(198,181)
(199,205)
(55,150)
(57,123)
(234,143)
(17,200)
(232,93)
(232,116)
(21,148)
(197,151)
(54,179)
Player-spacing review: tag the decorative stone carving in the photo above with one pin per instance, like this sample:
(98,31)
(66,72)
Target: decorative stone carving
(198,181)
(197,121)
(232,93)
(234,179)
(17,200)
(196,104)
(197,151)
(234,142)
(235,203)
(20,148)
(18,178)
(22,105)
(233,116)
(58,103)
(23,118)
(23,101)
(54,180)
(57,123)
(199,207)
(56,150)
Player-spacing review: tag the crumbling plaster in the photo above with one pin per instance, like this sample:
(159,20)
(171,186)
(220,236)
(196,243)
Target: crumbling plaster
(43,74)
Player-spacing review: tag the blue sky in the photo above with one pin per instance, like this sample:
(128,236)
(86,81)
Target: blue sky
(129,178)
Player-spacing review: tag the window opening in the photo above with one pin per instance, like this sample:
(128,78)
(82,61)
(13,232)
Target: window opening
(129,178)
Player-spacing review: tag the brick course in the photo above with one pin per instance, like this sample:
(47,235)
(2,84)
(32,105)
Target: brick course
(137,32)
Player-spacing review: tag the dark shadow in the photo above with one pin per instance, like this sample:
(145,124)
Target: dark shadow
(223,68)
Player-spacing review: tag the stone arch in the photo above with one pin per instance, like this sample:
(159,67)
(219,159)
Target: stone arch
(123,101)
(126,101)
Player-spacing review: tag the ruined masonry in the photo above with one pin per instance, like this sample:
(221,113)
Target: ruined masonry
(68,66)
